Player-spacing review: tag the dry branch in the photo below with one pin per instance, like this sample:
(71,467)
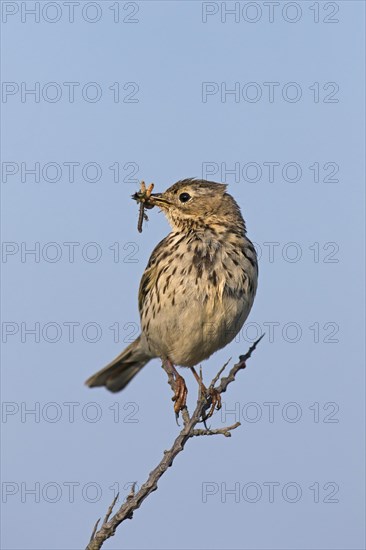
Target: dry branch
(134,500)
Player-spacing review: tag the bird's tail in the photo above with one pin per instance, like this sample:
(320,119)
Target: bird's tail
(117,374)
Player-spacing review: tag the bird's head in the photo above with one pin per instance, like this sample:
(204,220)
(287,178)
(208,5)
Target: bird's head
(192,203)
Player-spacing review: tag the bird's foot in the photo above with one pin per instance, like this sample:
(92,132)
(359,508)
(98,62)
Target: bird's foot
(215,401)
(178,385)
(210,393)
(180,393)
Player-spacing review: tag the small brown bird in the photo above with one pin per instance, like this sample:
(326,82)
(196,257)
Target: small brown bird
(197,289)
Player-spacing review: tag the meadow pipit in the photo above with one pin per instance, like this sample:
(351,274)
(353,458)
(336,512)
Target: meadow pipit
(197,289)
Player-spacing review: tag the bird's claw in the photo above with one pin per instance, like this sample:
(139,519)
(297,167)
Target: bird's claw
(215,399)
(215,396)
(180,394)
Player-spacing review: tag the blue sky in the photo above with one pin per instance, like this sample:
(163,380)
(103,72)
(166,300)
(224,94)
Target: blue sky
(268,98)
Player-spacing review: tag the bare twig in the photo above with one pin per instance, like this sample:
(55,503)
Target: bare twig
(215,379)
(134,500)
(110,509)
(224,431)
(96,527)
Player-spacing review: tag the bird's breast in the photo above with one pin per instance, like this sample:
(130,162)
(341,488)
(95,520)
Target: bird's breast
(199,295)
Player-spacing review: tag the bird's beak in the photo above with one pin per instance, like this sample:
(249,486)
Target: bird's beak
(158,199)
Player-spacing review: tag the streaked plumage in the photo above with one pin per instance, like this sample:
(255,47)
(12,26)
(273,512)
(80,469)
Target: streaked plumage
(198,287)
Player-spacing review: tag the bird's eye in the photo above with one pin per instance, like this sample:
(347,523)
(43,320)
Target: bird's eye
(184,197)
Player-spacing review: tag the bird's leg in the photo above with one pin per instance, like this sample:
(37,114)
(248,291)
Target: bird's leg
(199,381)
(180,388)
(211,391)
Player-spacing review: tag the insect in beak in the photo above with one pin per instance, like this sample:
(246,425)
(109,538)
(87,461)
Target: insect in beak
(147,200)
